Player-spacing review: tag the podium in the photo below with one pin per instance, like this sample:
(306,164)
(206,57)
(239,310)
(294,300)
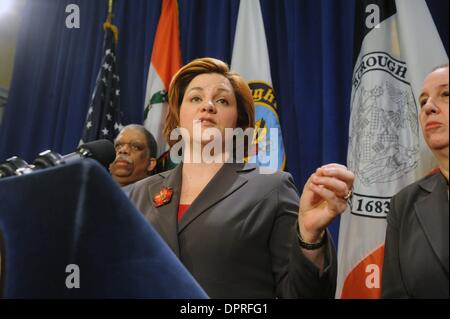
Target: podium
(70,226)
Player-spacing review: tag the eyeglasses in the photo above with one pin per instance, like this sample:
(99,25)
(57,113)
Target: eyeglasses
(133,146)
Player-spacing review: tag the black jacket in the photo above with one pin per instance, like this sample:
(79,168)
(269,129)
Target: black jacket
(416,247)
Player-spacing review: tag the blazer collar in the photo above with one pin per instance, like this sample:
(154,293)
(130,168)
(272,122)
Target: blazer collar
(432,213)
(226,181)
(166,215)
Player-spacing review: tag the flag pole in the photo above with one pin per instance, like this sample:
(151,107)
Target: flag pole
(110,11)
(108,23)
(103,119)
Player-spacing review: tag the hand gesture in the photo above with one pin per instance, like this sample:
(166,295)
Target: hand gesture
(324,197)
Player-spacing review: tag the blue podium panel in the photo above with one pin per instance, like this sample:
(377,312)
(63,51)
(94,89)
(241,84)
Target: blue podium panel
(71,225)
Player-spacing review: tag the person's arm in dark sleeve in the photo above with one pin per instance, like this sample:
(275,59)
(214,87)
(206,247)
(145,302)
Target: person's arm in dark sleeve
(295,274)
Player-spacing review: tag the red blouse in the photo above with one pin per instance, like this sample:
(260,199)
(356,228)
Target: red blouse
(181,210)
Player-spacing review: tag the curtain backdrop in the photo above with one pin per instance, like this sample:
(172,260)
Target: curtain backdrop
(310,47)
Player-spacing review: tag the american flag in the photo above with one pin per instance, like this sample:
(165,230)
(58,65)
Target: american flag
(103,120)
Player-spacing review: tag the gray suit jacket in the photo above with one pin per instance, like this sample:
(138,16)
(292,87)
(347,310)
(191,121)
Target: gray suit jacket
(238,237)
(416,248)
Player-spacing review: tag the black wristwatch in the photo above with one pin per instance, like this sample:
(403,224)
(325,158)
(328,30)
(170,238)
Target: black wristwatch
(311,246)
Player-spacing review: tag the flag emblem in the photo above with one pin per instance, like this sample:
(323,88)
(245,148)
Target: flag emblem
(386,150)
(251,37)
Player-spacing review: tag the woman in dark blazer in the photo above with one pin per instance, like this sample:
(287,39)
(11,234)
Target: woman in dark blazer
(416,247)
(237,230)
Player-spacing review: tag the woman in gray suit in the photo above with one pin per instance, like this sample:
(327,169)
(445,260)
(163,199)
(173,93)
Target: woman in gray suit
(241,233)
(416,247)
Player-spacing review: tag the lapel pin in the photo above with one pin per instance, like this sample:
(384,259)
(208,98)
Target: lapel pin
(163,197)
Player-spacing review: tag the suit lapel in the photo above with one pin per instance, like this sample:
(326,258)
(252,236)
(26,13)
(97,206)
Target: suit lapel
(432,212)
(165,217)
(224,183)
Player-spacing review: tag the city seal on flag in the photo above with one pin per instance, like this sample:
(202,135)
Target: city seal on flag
(267,135)
(386,150)
(385,131)
(159,98)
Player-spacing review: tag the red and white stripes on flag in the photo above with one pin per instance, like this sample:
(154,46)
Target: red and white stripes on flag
(396,45)
(166,60)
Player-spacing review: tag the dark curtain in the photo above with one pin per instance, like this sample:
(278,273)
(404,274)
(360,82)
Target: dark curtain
(310,46)
(55,71)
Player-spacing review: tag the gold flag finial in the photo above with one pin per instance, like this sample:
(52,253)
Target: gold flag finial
(108,23)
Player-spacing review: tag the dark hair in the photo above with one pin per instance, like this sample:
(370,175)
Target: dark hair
(151,142)
(181,80)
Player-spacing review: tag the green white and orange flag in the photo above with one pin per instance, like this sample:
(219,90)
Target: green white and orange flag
(166,60)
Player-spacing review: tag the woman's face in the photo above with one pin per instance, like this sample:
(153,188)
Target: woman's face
(434,109)
(209,102)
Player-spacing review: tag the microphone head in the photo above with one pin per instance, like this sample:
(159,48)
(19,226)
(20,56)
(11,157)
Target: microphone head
(101,150)
(13,166)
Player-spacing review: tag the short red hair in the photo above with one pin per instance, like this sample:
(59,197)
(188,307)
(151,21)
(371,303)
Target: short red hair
(184,76)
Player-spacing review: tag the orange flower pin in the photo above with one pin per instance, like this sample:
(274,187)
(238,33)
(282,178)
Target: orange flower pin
(163,197)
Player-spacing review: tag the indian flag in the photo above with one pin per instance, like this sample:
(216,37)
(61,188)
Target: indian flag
(166,60)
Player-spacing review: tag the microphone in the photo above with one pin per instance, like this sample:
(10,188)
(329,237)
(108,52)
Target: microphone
(101,150)
(14,166)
